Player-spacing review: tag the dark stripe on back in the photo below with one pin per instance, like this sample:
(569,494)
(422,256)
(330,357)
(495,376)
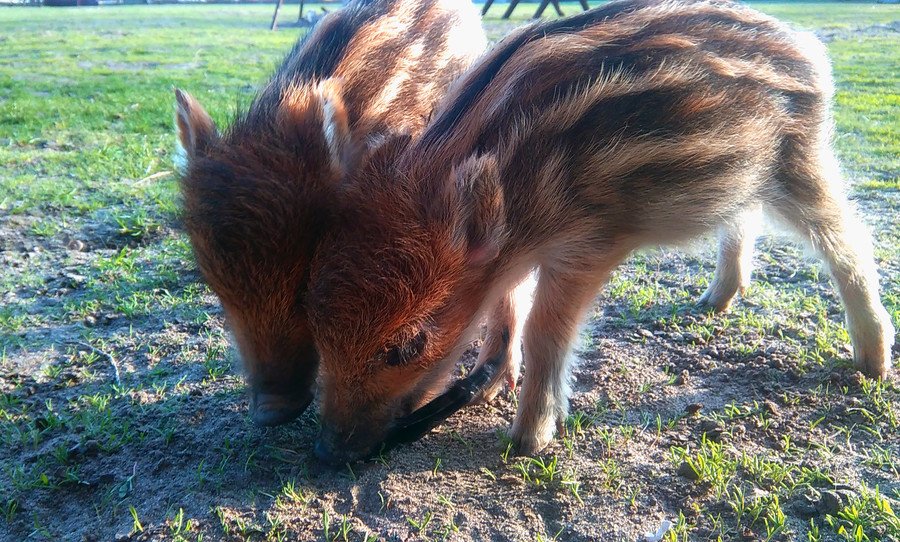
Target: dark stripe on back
(484,73)
(316,60)
(482,76)
(312,58)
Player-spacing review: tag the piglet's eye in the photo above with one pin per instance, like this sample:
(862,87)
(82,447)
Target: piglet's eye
(410,350)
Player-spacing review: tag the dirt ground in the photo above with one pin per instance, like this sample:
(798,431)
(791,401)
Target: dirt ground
(125,421)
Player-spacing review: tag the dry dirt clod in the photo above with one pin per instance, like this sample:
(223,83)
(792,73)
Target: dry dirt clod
(832,502)
(687,471)
(693,338)
(712,429)
(89,448)
(708,425)
(805,508)
(694,409)
(683,378)
(72,280)
(806,505)
(76,245)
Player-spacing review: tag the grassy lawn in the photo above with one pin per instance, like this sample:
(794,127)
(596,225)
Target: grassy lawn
(123,414)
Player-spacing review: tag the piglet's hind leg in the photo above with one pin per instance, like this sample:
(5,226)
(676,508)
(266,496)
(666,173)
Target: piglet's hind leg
(734,264)
(504,336)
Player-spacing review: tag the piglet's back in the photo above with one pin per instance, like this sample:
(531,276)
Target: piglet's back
(394,59)
(677,53)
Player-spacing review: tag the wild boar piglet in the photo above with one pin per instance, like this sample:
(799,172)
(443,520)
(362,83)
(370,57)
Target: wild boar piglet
(258,196)
(567,147)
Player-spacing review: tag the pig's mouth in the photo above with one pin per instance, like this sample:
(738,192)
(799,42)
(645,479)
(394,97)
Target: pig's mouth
(417,424)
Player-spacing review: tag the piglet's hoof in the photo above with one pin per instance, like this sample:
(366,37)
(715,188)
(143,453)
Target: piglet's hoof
(529,441)
(269,409)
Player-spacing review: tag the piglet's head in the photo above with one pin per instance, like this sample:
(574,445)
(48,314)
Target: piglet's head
(256,201)
(394,291)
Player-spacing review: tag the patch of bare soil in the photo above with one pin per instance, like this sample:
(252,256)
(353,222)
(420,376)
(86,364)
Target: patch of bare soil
(147,421)
(828,35)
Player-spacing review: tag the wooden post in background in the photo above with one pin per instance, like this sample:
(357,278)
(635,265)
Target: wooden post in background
(274,24)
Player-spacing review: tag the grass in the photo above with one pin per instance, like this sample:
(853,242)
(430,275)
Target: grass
(119,395)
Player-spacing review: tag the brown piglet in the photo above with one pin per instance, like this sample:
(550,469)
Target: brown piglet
(563,150)
(258,195)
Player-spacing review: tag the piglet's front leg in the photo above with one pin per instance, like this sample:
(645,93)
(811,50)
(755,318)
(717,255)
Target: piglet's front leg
(560,302)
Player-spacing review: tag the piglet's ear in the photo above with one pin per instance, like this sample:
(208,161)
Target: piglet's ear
(316,117)
(336,125)
(481,216)
(196,130)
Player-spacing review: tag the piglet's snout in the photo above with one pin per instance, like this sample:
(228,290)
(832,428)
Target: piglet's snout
(339,447)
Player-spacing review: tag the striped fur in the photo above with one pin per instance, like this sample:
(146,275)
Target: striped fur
(257,197)
(568,146)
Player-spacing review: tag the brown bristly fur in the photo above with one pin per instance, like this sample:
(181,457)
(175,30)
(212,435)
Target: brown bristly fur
(568,146)
(258,196)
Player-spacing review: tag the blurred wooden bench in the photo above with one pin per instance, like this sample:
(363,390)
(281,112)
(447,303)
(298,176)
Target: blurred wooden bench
(538,13)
